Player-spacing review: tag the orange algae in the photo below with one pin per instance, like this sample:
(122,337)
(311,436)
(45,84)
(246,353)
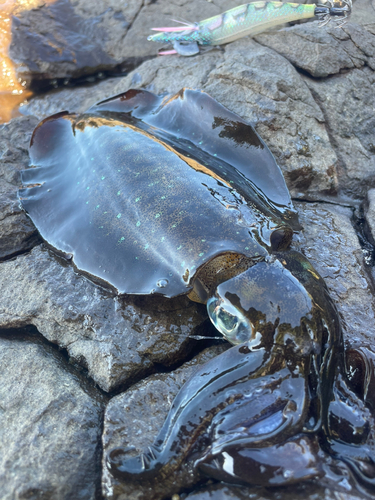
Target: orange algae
(13,90)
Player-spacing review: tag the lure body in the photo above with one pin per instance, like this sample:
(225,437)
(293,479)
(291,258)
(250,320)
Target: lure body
(248,19)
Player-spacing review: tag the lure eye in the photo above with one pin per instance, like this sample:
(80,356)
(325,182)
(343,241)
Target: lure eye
(230,322)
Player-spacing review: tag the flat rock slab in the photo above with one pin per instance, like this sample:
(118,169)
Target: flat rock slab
(117,341)
(50,425)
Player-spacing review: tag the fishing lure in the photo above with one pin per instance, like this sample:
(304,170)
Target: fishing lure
(248,19)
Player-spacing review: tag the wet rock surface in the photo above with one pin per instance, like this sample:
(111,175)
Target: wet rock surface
(50,424)
(17,233)
(330,242)
(321,130)
(69,39)
(117,341)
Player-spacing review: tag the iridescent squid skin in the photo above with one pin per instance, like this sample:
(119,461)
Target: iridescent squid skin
(177,195)
(247,19)
(265,411)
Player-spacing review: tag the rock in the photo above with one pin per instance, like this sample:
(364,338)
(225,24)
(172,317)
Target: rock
(283,111)
(347,102)
(163,13)
(118,342)
(101,35)
(351,47)
(329,241)
(370,212)
(69,39)
(50,425)
(17,232)
(135,417)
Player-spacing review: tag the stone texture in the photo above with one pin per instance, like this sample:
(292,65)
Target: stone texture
(329,241)
(283,110)
(370,212)
(103,35)
(347,102)
(50,425)
(117,341)
(17,232)
(65,39)
(72,38)
(351,47)
(162,13)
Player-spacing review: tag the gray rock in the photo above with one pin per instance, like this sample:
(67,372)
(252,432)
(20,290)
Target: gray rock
(72,38)
(329,241)
(370,212)
(163,13)
(50,425)
(351,47)
(17,232)
(102,35)
(347,102)
(118,342)
(283,111)
(65,39)
(158,75)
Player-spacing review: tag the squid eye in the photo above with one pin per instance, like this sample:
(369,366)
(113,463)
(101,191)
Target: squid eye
(230,321)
